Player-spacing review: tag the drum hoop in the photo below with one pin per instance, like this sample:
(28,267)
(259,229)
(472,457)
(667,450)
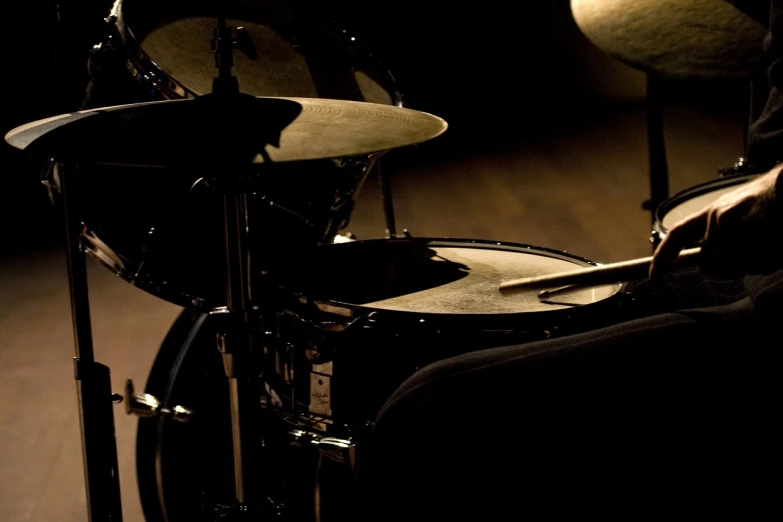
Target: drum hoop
(154,78)
(695,191)
(350,312)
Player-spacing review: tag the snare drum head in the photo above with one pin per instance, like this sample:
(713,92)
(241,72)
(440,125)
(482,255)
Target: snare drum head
(433,277)
(283,54)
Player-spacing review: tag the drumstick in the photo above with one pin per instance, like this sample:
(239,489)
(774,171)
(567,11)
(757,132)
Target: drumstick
(597,275)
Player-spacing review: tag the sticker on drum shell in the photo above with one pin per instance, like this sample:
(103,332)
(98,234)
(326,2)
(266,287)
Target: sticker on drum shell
(320,390)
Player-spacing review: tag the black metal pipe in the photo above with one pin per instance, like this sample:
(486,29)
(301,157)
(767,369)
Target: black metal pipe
(659,170)
(93,384)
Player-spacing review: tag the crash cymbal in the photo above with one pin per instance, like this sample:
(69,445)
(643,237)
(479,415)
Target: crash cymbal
(674,38)
(228,130)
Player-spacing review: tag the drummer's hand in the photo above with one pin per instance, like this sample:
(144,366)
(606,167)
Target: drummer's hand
(741,232)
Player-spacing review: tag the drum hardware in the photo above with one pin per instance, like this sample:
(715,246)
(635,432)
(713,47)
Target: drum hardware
(337,449)
(93,380)
(240,41)
(742,167)
(50,179)
(146,405)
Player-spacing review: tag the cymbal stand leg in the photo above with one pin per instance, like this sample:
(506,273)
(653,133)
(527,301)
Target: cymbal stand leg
(93,383)
(659,170)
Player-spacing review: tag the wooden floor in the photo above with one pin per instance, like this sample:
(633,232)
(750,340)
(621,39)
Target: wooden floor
(578,189)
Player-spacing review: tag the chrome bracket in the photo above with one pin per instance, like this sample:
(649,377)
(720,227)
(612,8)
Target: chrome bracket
(146,405)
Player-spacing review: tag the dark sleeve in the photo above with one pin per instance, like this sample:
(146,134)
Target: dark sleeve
(765,135)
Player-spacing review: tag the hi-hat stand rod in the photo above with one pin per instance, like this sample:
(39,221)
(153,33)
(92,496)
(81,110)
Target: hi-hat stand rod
(234,343)
(93,382)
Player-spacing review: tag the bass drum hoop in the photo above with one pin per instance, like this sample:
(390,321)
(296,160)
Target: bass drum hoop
(161,381)
(145,71)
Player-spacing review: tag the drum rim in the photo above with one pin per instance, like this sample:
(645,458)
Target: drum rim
(693,192)
(147,72)
(352,311)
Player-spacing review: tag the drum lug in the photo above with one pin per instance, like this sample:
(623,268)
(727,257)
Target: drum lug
(339,450)
(336,449)
(146,405)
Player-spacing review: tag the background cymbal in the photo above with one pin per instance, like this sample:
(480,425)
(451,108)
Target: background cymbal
(237,131)
(674,38)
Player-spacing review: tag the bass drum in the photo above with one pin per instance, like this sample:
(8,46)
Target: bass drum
(345,326)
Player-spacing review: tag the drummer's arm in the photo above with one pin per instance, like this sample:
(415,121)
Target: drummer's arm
(740,231)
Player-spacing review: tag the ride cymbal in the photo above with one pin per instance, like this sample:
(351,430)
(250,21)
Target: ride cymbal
(674,38)
(231,130)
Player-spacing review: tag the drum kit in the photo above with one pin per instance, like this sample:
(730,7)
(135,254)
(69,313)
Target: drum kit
(224,191)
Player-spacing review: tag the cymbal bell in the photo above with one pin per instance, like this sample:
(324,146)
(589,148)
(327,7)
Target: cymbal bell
(234,130)
(675,38)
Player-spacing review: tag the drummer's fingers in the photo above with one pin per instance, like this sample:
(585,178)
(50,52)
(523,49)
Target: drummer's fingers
(711,259)
(685,233)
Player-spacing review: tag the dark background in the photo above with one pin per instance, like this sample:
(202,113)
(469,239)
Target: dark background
(490,71)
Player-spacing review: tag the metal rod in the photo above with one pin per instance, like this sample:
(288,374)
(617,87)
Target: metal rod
(236,439)
(388,203)
(659,170)
(93,385)
(234,343)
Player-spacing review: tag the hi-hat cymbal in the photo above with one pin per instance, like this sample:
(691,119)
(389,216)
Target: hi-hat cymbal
(674,38)
(236,130)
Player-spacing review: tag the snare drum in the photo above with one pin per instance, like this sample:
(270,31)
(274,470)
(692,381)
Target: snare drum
(690,201)
(359,318)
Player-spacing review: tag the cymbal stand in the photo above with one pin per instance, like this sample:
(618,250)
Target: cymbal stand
(234,344)
(93,382)
(234,331)
(388,204)
(659,169)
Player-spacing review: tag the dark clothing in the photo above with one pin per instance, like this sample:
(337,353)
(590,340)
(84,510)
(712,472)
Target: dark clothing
(765,135)
(673,414)
(669,414)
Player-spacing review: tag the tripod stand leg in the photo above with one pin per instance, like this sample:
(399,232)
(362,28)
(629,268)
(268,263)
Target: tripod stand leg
(93,382)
